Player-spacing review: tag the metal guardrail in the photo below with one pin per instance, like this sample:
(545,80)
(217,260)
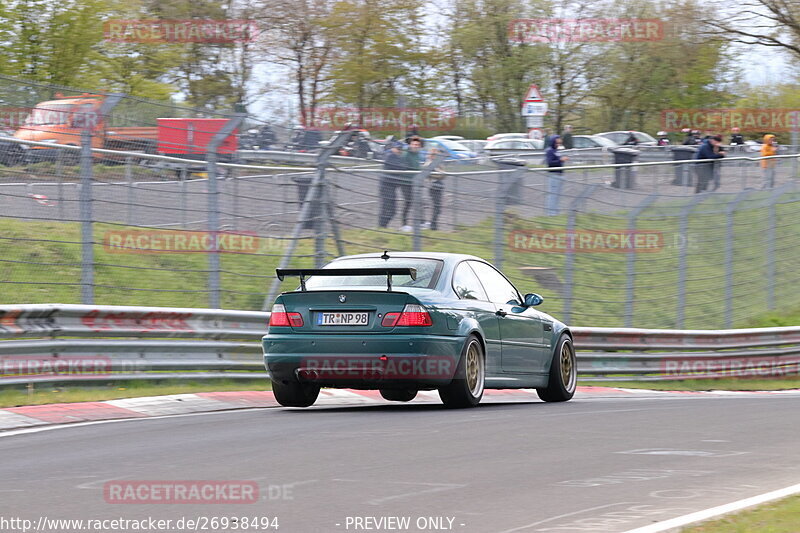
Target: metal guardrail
(105,342)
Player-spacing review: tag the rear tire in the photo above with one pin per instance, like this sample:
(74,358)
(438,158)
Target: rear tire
(563,373)
(398,395)
(294,394)
(466,389)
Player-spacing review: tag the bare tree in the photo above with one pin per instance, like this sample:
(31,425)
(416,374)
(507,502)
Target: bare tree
(300,41)
(774,23)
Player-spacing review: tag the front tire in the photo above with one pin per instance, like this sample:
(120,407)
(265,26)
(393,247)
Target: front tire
(563,373)
(295,394)
(398,395)
(466,389)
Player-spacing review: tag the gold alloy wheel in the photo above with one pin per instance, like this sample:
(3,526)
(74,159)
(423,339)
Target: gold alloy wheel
(474,369)
(569,372)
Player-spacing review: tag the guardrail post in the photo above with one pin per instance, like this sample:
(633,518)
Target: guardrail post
(418,185)
(631,260)
(315,190)
(85,202)
(771,239)
(683,234)
(214,300)
(569,259)
(730,211)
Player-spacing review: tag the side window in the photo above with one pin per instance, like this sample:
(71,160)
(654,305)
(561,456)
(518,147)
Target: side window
(581,142)
(497,287)
(466,284)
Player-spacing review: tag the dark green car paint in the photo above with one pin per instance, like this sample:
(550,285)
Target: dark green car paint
(518,341)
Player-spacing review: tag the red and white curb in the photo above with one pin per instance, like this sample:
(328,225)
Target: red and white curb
(206,402)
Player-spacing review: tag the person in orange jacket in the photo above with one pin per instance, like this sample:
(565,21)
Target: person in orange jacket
(769,148)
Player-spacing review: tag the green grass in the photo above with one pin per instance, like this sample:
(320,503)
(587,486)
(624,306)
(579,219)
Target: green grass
(782,516)
(44,394)
(41,256)
(741,384)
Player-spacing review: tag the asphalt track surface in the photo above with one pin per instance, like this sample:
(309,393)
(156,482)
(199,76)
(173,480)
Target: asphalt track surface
(599,463)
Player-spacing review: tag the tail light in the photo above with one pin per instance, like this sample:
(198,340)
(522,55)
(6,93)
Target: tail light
(279,317)
(412,315)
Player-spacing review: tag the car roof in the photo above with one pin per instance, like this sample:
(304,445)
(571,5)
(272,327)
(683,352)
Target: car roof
(444,256)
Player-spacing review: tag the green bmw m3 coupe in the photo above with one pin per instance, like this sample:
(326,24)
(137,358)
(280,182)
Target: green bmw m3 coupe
(411,321)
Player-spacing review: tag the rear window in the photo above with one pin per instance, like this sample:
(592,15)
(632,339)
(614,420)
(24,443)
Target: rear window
(427,273)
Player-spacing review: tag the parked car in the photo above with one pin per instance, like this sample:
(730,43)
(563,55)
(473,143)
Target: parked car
(11,153)
(411,321)
(619,137)
(514,146)
(454,150)
(592,141)
(449,137)
(476,146)
(498,136)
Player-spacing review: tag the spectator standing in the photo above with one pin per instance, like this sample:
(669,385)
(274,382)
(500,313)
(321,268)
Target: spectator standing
(736,138)
(692,138)
(768,149)
(555,178)
(436,191)
(663,138)
(413,161)
(566,138)
(394,163)
(548,136)
(709,149)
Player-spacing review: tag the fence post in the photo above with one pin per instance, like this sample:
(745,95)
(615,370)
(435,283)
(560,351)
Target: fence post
(505,182)
(730,211)
(214,289)
(85,200)
(630,279)
(683,231)
(313,191)
(771,238)
(417,185)
(569,259)
(183,200)
(60,175)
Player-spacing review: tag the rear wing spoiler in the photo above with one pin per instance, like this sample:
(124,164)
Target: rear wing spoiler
(303,273)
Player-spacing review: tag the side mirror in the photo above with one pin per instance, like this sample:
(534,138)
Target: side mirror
(532,300)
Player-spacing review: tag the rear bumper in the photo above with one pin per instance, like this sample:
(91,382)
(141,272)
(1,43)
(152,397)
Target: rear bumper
(363,361)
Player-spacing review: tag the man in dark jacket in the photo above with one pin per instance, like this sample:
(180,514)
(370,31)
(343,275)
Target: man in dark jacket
(555,178)
(705,169)
(692,138)
(389,181)
(737,140)
(396,164)
(566,139)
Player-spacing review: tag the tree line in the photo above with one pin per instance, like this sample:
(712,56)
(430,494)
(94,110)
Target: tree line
(372,53)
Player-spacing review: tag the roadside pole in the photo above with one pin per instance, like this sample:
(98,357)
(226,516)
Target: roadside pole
(213,207)
(90,121)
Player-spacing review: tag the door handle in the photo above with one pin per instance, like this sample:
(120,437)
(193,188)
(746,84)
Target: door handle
(500,312)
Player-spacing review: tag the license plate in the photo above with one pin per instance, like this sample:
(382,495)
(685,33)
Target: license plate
(343,319)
